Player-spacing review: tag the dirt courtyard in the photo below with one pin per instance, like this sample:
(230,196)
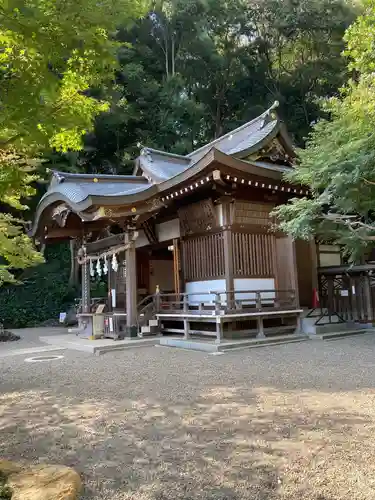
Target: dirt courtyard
(286,422)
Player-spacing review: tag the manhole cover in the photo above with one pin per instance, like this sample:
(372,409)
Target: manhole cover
(40,359)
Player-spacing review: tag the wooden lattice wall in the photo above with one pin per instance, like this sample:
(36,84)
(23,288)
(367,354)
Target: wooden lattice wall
(253,255)
(203,257)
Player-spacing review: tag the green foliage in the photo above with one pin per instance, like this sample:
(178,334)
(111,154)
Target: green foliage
(16,249)
(339,160)
(52,52)
(43,294)
(5,491)
(192,70)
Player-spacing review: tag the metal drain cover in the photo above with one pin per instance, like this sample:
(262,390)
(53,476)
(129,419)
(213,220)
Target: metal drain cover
(40,359)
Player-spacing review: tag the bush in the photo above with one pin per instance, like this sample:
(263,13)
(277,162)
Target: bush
(43,293)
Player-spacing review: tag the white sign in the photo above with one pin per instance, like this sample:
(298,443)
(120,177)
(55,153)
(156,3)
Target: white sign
(111,324)
(344,293)
(113,295)
(353,289)
(62,317)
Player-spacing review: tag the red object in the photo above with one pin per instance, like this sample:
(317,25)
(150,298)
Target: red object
(315,301)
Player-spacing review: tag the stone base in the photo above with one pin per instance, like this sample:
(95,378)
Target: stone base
(41,482)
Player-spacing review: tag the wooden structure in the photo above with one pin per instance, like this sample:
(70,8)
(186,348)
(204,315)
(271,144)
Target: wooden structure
(186,241)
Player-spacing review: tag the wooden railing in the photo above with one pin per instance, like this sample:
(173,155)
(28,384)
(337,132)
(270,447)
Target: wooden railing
(94,301)
(222,302)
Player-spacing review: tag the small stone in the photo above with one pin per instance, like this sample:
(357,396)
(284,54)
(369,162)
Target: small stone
(41,482)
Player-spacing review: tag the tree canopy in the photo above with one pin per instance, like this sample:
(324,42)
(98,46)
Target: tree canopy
(191,70)
(172,74)
(52,52)
(339,160)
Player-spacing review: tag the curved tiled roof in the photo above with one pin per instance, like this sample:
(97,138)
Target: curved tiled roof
(78,188)
(164,171)
(160,166)
(244,138)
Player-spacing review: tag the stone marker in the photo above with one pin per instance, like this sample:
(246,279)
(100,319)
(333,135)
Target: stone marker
(41,482)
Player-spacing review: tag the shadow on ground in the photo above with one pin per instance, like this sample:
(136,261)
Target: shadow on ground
(228,443)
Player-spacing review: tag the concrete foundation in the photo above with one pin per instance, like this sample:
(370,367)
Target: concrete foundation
(228,345)
(97,347)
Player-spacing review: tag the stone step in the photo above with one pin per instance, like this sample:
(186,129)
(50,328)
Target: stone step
(310,328)
(344,333)
(76,330)
(267,344)
(258,342)
(207,346)
(147,342)
(149,330)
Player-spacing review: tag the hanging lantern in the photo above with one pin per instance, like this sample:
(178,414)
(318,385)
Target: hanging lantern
(114,263)
(98,268)
(92,272)
(105,266)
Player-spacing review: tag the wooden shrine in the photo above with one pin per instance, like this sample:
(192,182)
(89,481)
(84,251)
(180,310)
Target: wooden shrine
(185,242)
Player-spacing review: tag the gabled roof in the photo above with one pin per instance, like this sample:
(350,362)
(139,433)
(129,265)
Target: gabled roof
(159,166)
(160,172)
(244,139)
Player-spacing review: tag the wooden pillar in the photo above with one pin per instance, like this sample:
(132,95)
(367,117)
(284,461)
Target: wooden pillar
(287,265)
(314,261)
(219,330)
(293,268)
(260,334)
(186,329)
(228,252)
(131,281)
(85,287)
(368,301)
(176,267)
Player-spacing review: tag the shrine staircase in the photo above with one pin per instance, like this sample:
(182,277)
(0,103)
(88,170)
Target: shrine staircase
(148,325)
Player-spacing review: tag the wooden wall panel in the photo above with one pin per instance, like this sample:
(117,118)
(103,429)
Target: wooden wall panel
(286,265)
(198,217)
(246,212)
(253,255)
(203,257)
(305,269)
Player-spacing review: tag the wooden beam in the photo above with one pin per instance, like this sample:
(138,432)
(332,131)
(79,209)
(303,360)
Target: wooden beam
(63,233)
(176,266)
(228,247)
(104,243)
(131,282)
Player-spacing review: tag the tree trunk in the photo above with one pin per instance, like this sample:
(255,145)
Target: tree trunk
(173,55)
(218,124)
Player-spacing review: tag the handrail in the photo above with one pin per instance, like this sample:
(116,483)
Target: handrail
(144,300)
(222,292)
(215,301)
(147,305)
(227,300)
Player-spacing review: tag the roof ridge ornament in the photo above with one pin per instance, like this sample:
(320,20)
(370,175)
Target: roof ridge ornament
(275,105)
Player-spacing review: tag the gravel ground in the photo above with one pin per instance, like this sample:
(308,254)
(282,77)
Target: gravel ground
(287,422)
(29,338)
